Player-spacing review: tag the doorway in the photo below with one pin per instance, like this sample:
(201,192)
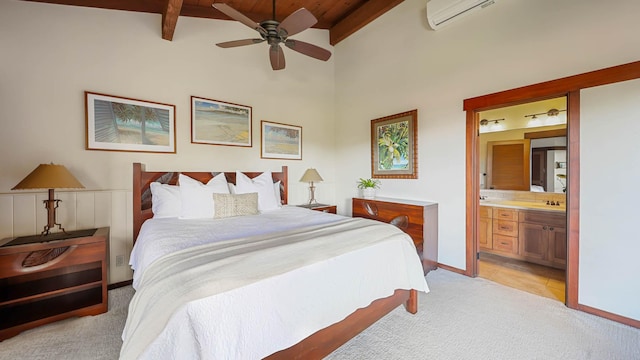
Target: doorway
(570,87)
(522,239)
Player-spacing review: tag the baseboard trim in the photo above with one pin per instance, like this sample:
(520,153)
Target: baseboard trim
(610,316)
(119,284)
(452,269)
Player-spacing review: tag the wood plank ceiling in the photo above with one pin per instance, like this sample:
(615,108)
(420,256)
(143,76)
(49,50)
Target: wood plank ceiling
(341,17)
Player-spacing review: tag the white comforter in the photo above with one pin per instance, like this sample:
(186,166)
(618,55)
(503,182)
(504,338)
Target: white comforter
(264,292)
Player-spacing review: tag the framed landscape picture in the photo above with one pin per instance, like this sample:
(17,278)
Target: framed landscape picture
(216,122)
(394,146)
(123,124)
(281,141)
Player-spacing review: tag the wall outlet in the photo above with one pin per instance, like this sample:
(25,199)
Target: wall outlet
(119,260)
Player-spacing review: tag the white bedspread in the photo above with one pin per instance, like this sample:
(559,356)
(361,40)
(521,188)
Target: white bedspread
(248,298)
(159,237)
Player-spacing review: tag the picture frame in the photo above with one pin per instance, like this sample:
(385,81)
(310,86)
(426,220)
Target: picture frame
(216,122)
(116,123)
(280,141)
(394,146)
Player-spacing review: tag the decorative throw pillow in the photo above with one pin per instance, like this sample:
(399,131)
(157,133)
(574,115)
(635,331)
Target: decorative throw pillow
(196,199)
(263,185)
(165,200)
(227,205)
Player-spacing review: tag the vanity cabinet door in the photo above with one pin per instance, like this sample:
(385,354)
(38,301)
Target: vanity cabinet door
(534,241)
(485,238)
(558,246)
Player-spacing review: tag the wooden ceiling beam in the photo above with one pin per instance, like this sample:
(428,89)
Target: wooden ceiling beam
(359,18)
(148,6)
(170,16)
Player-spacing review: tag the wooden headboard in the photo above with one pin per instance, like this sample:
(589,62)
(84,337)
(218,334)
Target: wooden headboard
(142,192)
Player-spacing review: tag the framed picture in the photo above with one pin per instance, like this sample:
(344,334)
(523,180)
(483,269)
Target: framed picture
(394,146)
(123,124)
(281,141)
(220,123)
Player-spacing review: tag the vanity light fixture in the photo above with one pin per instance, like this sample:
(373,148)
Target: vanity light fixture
(490,125)
(536,121)
(550,113)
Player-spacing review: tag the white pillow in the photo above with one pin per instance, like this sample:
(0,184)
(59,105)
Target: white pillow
(197,198)
(165,200)
(263,185)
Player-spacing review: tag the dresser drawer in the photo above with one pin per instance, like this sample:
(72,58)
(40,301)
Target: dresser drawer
(505,214)
(508,244)
(408,218)
(56,256)
(505,227)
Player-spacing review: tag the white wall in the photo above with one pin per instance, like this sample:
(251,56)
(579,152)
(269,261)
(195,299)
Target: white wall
(396,64)
(51,54)
(609,198)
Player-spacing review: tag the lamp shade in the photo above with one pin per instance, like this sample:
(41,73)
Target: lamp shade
(311,175)
(49,176)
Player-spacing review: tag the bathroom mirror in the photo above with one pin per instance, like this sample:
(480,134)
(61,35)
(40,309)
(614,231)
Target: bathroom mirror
(521,153)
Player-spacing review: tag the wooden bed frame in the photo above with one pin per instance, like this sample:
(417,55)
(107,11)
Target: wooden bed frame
(322,342)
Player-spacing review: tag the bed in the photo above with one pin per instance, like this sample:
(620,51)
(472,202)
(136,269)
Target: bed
(287,293)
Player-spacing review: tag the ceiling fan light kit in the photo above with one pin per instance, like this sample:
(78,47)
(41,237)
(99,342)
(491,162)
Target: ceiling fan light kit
(275,33)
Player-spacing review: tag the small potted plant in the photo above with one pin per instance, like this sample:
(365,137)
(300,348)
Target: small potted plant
(368,187)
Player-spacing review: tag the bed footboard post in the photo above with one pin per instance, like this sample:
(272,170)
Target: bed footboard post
(412,304)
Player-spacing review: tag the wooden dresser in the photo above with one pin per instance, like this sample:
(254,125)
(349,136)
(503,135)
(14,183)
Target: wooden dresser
(419,219)
(42,282)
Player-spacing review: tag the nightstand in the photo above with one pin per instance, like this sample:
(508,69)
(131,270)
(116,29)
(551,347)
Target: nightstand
(42,282)
(321,207)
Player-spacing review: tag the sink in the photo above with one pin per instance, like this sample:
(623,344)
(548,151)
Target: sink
(524,204)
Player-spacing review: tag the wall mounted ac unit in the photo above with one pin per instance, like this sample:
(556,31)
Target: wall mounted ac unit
(443,12)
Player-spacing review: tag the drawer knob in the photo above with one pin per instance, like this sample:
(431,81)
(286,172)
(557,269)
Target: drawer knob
(401,221)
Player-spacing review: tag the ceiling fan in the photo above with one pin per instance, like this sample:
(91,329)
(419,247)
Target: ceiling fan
(276,33)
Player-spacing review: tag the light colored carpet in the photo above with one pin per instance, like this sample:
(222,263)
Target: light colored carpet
(461,318)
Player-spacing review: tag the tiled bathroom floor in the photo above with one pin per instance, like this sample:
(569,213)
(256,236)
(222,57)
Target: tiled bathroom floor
(537,279)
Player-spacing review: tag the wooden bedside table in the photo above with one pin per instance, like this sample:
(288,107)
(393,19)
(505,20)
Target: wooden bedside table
(321,207)
(43,282)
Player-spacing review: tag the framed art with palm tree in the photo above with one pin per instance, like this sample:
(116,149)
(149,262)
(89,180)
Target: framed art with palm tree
(394,146)
(124,124)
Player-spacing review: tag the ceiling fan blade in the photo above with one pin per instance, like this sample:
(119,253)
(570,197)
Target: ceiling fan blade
(276,55)
(230,44)
(300,20)
(308,49)
(236,15)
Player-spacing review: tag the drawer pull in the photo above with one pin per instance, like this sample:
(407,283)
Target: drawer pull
(370,208)
(505,227)
(40,257)
(401,221)
(504,243)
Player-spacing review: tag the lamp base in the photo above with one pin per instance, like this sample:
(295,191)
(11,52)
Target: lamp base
(51,205)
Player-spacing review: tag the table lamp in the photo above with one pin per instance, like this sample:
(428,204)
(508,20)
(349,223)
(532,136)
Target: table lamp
(310,176)
(49,176)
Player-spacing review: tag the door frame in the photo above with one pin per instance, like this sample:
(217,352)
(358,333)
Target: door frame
(569,87)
